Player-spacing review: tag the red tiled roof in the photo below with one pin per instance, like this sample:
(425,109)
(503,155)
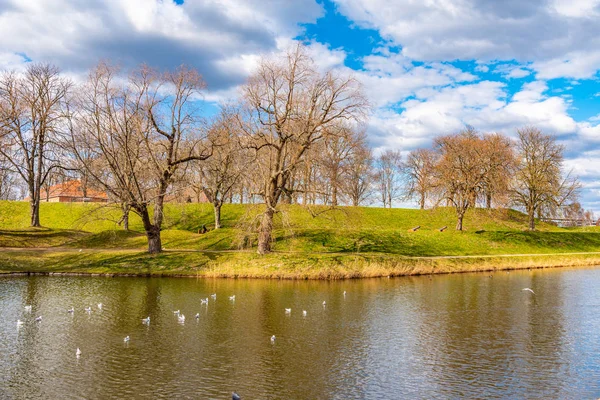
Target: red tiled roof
(73,189)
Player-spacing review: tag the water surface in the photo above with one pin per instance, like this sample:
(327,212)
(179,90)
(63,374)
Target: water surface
(454,336)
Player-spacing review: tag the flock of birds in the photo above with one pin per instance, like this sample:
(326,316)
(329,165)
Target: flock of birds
(180,316)
(146,321)
(181,319)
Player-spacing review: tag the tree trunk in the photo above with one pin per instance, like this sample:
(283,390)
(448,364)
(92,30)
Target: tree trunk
(265,232)
(152,230)
(422,201)
(459,222)
(334,194)
(217,207)
(154,242)
(488,200)
(34,206)
(531,216)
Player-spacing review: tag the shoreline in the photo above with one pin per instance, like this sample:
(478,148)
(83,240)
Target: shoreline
(288,266)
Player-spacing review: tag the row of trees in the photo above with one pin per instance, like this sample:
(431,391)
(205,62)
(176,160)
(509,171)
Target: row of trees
(296,136)
(140,138)
(469,169)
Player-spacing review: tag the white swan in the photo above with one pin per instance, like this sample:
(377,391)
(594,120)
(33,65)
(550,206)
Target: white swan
(38,319)
(78,352)
(214,296)
(99,306)
(304,313)
(88,309)
(181,318)
(27,308)
(197,315)
(71,310)
(273,339)
(176,312)
(232,298)
(126,340)
(146,320)
(288,310)
(528,290)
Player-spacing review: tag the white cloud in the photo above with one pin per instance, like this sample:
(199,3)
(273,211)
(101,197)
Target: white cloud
(577,8)
(560,37)
(213,36)
(577,64)
(11,61)
(484,105)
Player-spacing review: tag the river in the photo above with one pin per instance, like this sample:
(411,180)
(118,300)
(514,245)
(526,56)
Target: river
(447,336)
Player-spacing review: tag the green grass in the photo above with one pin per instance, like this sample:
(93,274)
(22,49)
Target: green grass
(313,240)
(318,230)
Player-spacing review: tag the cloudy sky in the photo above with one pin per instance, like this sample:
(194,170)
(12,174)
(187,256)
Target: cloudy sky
(428,66)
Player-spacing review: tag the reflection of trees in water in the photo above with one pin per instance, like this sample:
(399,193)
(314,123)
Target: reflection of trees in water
(416,336)
(482,333)
(26,361)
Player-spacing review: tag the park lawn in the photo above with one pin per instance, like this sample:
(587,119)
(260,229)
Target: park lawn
(298,229)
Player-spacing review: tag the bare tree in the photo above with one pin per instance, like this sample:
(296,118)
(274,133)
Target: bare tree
(220,174)
(460,170)
(31,112)
(539,183)
(420,171)
(499,163)
(357,184)
(335,157)
(8,180)
(389,174)
(143,130)
(292,106)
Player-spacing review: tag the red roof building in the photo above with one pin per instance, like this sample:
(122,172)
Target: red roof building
(72,191)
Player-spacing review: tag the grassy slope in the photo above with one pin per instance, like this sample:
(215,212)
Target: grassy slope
(346,230)
(340,242)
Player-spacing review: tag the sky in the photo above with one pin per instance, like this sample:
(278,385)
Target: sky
(429,67)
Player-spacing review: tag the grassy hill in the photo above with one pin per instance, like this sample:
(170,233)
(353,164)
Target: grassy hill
(298,229)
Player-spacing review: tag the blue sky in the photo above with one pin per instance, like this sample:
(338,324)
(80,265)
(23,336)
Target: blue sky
(428,67)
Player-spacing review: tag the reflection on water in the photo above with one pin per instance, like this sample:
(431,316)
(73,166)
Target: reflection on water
(461,336)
